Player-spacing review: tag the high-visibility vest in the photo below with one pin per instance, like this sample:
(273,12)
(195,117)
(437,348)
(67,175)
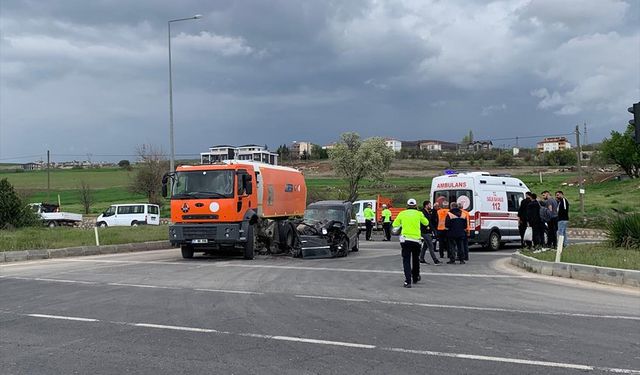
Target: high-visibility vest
(442,216)
(465,214)
(410,221)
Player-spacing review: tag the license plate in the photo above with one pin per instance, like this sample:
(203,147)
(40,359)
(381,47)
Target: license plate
(204,240)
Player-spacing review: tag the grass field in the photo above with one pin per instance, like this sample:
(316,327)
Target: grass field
(55,238)
(408,179)
(595,255)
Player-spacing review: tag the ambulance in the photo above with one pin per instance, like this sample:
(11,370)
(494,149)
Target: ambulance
(491,200)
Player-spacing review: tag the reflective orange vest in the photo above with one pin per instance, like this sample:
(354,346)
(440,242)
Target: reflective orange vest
(465,214)
(442,216)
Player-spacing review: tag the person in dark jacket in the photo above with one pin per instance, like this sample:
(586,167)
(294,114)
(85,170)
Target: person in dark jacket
(427,231)
(522,217)
(535,222)
(563,216)
(456,225)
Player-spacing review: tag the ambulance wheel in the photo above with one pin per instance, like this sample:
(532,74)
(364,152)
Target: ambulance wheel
(187,251)
(494,241)
(250,244)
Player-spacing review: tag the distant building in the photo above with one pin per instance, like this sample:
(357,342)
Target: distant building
(329,146)
(431,146)
(550,144)
(476,146)
(32,166)
(393,144)
(300,148)
(252,152)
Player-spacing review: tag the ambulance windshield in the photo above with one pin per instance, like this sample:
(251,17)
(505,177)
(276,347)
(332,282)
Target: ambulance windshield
(464,198)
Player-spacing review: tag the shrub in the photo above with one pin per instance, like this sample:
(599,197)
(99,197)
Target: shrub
(14,213)
(624,230)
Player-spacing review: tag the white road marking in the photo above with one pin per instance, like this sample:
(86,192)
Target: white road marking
(299,268)
(62,317)
(346,299)
(143,286)
(323,342)
(174,328)
(476,308)
(358,270)
(305,340)
(228,291)
(64,281)
(332,298)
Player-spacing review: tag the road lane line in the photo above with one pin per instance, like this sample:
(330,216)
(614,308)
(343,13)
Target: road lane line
(323,342)
(62,317)
(228,291)
(332,298)
(297,268)
(346,299)
(493,359)
(476,308)
(143,286)
(175,328)
(358,270)
(64,281)
(312,341)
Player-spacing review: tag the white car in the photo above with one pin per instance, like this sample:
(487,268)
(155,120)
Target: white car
(129,215)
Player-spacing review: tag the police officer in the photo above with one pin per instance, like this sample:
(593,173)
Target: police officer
(369,218)
(386,222)
(409,222)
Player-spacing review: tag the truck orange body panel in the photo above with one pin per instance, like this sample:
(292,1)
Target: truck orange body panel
(278,192)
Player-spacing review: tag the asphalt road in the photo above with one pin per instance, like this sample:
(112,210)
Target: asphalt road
(155,313)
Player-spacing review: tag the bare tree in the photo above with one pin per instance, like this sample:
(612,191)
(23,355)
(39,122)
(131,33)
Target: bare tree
(152,165)
(86,196)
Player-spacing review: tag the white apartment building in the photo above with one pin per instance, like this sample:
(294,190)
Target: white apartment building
(550,144)
(393,144)
(221,153)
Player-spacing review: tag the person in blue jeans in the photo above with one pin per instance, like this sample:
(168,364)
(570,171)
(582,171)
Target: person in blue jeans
(563,217)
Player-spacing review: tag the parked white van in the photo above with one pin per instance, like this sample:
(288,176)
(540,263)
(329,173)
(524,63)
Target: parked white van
(129,215)
(491,200)
(358,208)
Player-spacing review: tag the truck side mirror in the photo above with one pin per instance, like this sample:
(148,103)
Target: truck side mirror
(164,189)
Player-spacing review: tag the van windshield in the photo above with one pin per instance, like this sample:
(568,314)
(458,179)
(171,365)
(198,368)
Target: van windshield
(464,198)
(203,184)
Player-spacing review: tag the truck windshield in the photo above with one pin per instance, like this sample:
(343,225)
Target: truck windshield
(203,184)
(464,198)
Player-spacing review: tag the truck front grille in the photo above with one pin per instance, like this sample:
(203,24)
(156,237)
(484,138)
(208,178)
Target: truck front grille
(199,232)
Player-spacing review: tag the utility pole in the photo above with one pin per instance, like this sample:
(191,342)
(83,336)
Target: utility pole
(48,176)
(586,140)
(580,182)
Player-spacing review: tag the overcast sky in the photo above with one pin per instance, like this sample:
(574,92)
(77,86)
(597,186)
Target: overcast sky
(84,77)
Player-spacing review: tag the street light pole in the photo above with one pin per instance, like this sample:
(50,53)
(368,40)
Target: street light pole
(172,161)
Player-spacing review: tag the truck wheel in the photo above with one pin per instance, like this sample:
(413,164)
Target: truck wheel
(494,241)
(52,224)
(250,244)
(134,223)
(102,224)
(356,244)
(187,251)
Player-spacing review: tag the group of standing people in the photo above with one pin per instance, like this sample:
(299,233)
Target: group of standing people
(420,228)
(543,214)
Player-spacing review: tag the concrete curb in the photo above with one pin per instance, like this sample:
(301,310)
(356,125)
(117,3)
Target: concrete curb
(602,275)
(17,256)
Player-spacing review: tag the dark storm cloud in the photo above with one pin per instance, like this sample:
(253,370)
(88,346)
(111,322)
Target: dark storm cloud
(83,77)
